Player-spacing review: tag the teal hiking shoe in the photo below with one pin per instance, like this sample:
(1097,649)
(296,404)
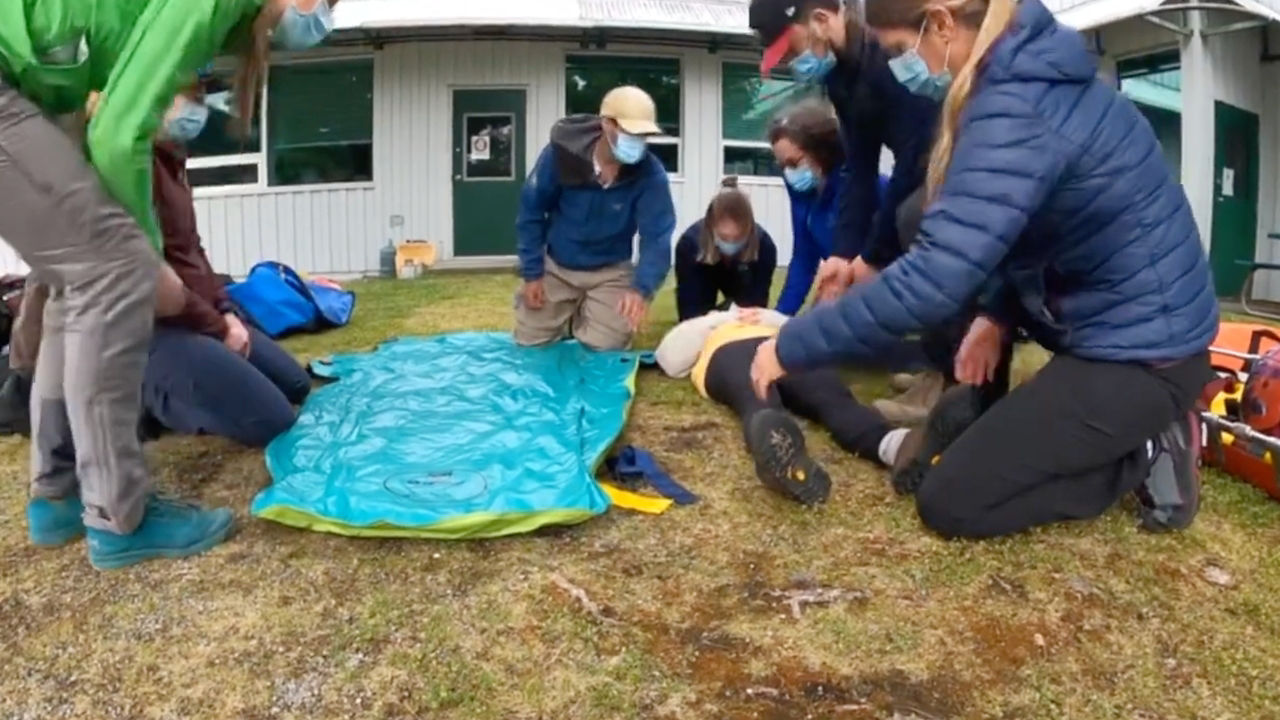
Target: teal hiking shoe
(51,523)
(169,529)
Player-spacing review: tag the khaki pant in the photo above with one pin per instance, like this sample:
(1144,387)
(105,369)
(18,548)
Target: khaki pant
(581,303)
(101,271)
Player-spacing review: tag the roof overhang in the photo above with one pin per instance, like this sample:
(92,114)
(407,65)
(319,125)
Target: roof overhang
(1092,14)
(709,17)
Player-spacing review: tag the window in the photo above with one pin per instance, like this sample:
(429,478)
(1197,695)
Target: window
(219,156)
(320,123)
(589,77)
(1154,83)
(747,103)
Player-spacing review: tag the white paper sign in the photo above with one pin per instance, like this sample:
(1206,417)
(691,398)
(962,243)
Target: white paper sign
(480,147)
(1228,182)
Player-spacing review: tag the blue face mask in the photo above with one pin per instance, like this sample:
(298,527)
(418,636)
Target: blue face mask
(809,68)
(188,123)
(913,72)
(801,178)
(303,31)
(628,149)
(730,249)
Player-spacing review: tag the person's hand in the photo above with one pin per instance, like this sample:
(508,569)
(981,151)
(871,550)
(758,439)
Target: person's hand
(766,369)
(861,272)
(237,337)
(979,353)
(534,294)
(91,103)
(835,275)
(633,307)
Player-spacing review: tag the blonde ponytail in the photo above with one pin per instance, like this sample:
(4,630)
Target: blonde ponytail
(999,16)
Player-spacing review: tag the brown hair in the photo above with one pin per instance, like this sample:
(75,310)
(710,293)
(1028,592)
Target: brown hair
(996,16)
(732,204)
(255,55)
(811,125)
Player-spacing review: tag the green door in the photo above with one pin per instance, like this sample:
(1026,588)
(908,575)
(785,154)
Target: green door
(1235,197)
(488,170)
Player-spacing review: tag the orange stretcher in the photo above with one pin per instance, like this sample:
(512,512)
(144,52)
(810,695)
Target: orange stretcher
(1240,408)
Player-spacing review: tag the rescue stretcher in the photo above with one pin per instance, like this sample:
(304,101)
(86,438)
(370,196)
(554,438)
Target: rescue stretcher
(1240,408)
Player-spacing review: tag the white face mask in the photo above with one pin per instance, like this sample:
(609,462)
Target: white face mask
(302,31)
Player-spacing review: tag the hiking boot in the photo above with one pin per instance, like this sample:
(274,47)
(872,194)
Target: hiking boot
(777,446)
(902,382)
(1169,497)
(957,409)
(170,529)
(912,407)
(51,522)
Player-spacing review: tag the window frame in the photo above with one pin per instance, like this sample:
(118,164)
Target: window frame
(766,180)
(259,158)
(678,141)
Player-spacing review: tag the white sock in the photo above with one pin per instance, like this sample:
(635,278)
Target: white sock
(890,444)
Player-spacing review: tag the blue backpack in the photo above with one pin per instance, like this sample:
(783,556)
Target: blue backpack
(280,302)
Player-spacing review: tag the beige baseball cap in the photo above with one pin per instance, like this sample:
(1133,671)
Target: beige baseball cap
(632,109)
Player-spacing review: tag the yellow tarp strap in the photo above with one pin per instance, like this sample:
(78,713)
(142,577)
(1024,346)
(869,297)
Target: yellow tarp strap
(635,501)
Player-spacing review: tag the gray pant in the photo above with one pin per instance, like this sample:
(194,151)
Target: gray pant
(97,323)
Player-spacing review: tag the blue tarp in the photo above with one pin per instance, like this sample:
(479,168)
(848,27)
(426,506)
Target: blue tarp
(454,436)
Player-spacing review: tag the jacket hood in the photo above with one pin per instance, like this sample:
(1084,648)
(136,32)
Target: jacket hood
(1036,48)
(576,135)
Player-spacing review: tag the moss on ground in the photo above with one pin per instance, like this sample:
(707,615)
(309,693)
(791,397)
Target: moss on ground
(1095,620)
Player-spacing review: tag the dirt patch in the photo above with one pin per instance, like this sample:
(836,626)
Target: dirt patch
(688,437)
(1006,646)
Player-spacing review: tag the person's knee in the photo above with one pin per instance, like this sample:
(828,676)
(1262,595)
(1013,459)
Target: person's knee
(266,424)
(944,510)
(603,340)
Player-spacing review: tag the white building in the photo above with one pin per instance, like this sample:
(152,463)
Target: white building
(371,138)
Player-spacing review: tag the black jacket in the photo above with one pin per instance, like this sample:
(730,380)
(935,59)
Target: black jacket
(699,285)
(876,111)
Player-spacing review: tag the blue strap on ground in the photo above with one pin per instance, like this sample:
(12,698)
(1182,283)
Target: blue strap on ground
(633,465)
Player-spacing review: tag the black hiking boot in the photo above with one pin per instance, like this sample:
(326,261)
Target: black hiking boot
(777,446)
(1169,497)
(957,409)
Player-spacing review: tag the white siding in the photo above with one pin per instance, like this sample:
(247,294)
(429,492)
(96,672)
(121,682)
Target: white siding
(1269,179)
(412,133)
(328,231)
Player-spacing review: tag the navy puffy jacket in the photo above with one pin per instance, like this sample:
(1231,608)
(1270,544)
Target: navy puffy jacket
(1110,265)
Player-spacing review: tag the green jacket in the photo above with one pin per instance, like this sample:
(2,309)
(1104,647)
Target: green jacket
(137,53)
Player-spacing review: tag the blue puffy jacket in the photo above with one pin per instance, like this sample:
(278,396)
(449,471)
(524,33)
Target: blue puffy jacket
(815,224)
(1058,187)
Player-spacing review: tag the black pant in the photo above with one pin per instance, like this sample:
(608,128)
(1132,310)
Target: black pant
(817,395)
(942,343)
(1065,445)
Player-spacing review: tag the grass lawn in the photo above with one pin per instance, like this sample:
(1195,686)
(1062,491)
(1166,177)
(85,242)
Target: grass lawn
(1096,620)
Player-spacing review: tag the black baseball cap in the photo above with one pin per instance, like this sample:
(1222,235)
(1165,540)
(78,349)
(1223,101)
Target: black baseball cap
(772,20)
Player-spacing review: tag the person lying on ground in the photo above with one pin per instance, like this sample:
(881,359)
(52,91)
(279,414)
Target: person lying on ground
(593,188)
(716,351)
(724,254)
(1049,182)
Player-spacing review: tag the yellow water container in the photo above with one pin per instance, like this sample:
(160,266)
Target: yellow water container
(414,257)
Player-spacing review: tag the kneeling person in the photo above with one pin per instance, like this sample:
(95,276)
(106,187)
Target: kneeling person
(593,188)
(716,351)
(207,372)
